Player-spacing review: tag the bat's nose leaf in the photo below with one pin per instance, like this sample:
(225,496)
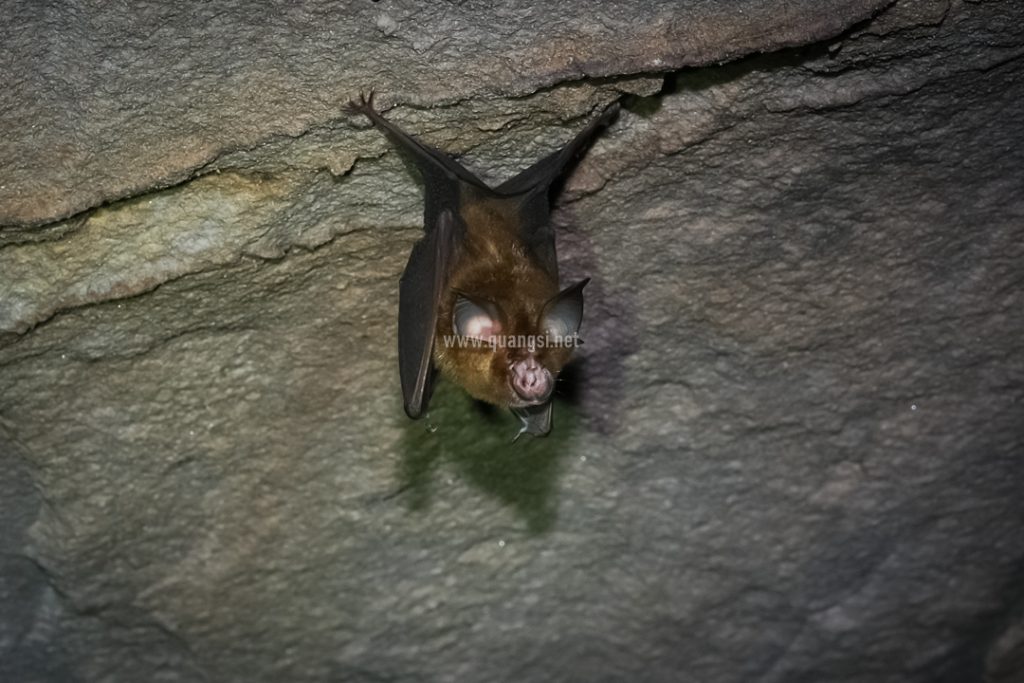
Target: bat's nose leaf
(531,381)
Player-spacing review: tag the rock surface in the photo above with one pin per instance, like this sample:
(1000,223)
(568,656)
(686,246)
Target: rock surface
(791,449)
(106,101)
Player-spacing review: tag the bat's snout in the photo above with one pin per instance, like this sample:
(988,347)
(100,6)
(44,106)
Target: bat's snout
(531,381)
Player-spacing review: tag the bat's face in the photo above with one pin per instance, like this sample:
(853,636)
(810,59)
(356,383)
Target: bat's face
(508,348)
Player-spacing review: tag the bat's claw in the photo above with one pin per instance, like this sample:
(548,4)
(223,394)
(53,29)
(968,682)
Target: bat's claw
(610,113)
(522,430)
(363,106)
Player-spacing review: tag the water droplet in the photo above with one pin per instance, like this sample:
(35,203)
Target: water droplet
(913,406)
(501,543)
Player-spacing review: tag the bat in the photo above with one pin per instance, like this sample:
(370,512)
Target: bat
(479,299)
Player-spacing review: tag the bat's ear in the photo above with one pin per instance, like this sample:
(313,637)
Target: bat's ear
(563,314)
(475,319)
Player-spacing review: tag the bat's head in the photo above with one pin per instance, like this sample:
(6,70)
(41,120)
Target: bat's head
(507,350)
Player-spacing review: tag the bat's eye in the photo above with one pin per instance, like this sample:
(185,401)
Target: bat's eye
(475,320)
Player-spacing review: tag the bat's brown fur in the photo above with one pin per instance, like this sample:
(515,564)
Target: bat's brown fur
(494,265)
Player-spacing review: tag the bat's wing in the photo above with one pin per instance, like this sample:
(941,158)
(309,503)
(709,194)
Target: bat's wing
(546,171)
(533,185)
(420,292)
(536,420)
(425,280)
(430,160)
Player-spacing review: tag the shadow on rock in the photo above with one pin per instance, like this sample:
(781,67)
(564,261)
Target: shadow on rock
(477,445)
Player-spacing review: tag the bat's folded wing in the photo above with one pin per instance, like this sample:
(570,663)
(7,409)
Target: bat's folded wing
(536,419)
(546,171)
(533,185)
(429,160)
(419,298)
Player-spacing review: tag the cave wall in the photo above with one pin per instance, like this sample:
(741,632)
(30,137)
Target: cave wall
(790,450)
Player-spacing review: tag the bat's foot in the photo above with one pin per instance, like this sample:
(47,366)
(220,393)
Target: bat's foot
(609,114)
(363,106)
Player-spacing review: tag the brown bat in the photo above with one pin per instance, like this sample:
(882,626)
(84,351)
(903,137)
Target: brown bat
(479,298)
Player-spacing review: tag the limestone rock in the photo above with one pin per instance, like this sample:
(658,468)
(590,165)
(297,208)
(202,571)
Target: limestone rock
(791,449)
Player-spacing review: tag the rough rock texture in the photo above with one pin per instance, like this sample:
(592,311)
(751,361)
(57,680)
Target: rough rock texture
(792,447)
(106,100)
